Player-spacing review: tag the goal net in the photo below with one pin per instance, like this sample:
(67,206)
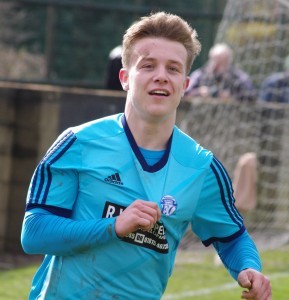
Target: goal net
(258,33)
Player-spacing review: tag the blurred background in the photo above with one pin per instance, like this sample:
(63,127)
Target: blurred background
(67,42)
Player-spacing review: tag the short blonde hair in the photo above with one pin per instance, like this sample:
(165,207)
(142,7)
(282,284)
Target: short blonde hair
(164,25)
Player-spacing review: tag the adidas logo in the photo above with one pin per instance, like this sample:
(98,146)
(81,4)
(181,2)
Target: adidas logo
(114,179)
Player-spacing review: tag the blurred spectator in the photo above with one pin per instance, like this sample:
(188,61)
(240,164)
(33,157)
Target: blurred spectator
(218,78)
(114,65)
(275,88)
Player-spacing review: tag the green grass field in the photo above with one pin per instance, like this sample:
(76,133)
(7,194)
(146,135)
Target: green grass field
(194,277)
(202,280)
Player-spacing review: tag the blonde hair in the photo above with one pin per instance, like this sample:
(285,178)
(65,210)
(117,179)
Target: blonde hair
(164,25)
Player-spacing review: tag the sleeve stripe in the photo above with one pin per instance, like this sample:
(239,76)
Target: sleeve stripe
(224,239)
(229,188)
(224,183)
(42,178)
(59,211)
(70,142)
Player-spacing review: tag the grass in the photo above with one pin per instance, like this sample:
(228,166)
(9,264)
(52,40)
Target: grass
(195,277)
(15,283)
(202,280)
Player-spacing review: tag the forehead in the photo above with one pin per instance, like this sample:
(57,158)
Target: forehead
(159,48)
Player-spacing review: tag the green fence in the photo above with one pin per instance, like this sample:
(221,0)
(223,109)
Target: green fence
(67,42)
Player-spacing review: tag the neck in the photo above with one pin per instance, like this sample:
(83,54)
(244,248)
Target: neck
(149,134)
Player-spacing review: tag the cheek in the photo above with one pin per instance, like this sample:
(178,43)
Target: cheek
(137,80)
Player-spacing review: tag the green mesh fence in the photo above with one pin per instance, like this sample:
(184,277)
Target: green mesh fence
(68,41)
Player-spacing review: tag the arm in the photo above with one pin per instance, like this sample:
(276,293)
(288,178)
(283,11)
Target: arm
(46,233)
(247,257)
(223,227)
(245,267)
(47,227)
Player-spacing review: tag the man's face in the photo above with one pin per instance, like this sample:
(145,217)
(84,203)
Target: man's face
(155,78)
(220,63)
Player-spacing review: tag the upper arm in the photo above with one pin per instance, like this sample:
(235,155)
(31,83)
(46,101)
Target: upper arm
(216,217)
(54,183)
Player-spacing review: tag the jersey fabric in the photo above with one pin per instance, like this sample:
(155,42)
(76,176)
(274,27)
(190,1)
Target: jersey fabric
(92,173)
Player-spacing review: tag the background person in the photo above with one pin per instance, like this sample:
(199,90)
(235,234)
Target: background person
(112,198)
(220,79)
(113,67)
(275,88)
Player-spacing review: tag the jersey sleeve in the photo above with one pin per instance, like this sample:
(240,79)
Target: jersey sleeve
(47,227)
(216,217)
(248,256)
(46,233)
(55,181)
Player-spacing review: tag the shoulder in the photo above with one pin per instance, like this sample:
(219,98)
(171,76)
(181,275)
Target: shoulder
(195,78)
(242,75)
(197,74)
(273,79)
(189,152)
(99,128)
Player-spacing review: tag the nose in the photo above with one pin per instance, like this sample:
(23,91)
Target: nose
(161,75)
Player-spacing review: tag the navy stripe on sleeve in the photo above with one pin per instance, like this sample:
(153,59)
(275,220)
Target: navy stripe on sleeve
(230,238)
(229,189)
(58,211)
(226,189)
(42,178)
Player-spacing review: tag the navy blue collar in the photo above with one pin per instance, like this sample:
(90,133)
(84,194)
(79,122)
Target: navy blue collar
(154,168)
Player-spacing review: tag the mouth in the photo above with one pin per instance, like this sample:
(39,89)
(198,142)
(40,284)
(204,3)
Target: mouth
(159,93)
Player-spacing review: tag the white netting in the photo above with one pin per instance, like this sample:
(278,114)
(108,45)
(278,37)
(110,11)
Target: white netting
(258,32)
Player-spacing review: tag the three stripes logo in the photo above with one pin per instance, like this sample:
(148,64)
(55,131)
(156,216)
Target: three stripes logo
(114,179)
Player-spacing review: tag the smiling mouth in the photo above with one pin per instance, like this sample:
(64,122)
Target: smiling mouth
(159,93)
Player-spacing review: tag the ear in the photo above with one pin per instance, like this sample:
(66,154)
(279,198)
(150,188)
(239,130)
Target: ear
(123,77)
(186,84)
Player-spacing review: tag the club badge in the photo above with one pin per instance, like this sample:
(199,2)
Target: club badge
(168,205)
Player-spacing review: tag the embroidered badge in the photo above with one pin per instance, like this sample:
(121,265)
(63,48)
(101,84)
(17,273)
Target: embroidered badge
(168,205)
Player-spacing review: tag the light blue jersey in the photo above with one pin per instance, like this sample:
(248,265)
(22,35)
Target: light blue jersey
(93,172)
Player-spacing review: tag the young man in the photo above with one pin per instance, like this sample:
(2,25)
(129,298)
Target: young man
(111,199)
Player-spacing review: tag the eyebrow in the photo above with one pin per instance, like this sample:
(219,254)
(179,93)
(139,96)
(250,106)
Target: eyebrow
(151,59)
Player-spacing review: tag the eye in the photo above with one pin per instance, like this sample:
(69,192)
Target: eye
(147,66)
(173,69)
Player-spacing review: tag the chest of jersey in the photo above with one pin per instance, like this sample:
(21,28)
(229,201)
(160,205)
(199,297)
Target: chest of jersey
(116,178)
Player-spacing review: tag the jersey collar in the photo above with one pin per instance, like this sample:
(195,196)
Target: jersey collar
(154,168)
